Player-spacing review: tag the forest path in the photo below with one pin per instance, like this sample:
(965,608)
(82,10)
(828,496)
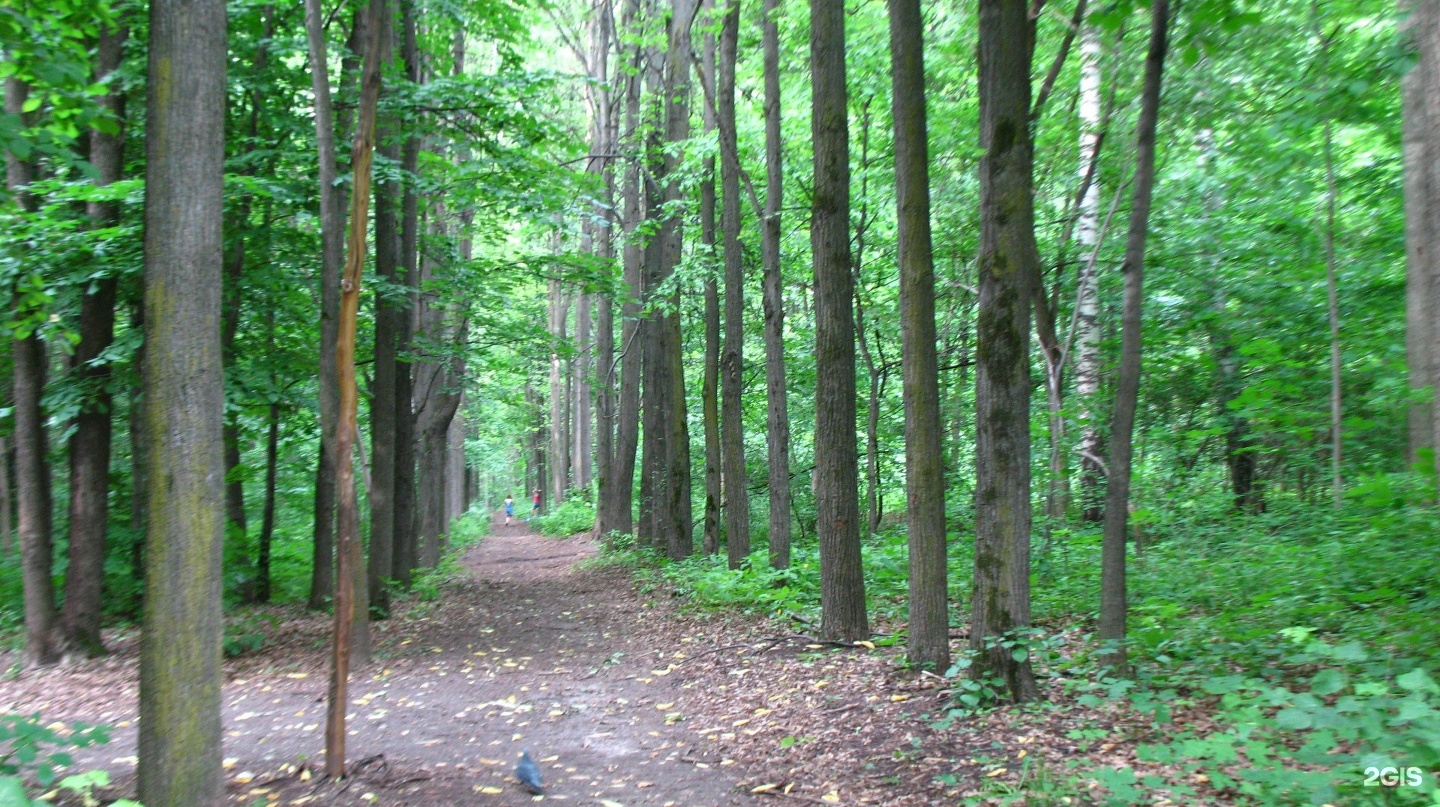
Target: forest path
(529,648)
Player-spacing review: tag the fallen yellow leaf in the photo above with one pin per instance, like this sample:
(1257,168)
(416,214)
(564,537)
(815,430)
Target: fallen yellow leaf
(489,790)
(833,797)
(765,788)
(995,773)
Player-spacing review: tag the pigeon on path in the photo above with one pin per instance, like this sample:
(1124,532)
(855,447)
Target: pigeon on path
(529,774)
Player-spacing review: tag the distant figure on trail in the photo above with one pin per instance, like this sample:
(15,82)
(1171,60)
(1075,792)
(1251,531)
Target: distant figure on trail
(509,508)
(535,509)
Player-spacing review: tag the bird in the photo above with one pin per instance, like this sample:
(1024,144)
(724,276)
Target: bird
(529,774)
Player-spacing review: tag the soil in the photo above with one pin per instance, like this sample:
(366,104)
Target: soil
(622,694)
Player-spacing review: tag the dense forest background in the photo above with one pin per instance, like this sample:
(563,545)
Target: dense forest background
(661,266)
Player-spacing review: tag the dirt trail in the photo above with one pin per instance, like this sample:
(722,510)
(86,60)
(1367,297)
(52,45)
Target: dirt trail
(528,652)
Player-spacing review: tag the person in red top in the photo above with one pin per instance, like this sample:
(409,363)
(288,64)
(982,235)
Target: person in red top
(535,509)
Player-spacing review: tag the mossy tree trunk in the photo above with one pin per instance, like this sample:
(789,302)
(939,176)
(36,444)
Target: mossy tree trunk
(1008,262)
(180,731)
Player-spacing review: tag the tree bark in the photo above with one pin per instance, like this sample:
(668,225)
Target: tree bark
(406,552)
(710,389)
(332,237)
(1122,421)
(842,580)
(383,404)
(32,473)
(1087,296)
(1009,261)
(351,602)
(777,410)
(1421,98)
(928,645)
(619,514)
(262,586)
(559,437)
(603,139)
(732,359)
(90,442)
(180,673)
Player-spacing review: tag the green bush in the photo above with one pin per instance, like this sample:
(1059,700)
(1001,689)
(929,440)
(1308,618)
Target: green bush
(575,515)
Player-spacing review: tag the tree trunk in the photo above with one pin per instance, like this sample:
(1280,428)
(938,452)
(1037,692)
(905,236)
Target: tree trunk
(580,431)
(180,673)
(351,602)
(332,236)
(1122,422)
(32,472)
(842,580)
(90,442)
(559,442)
(1332,295)
(1422,218)
(406,548)
(383,404)
(603,139)
(1088,334)
(928,645)
(620,510)
(777,414)
(1008,262)
(710,389)
(261,593)
(732,359)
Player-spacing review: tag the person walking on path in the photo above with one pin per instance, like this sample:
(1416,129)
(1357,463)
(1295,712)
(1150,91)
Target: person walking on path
(509,508)
(535,509)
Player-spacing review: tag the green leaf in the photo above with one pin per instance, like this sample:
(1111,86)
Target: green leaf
(12,794)
(1294,719)
(1327,682)
(31,104)
(1020,654)
(1417,680)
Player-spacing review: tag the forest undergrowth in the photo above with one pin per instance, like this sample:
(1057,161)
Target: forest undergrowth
(1284,657)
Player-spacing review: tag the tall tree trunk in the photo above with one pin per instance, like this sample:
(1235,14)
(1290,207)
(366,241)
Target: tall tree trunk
(1122,421)
(1332,295)
(732,359)
(139,466)
(1088,334)
(559,442)
(603,142)
(580,423)
(874,371)
(1008,262)
(351,601)
(406,548)
(32,471)
(1421,91)
(383,404)
(180,731)
(929,637)
(777,410)
(90,442)
(842,580)
(272,472)
(620,515)
(710,383)
(332,237)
